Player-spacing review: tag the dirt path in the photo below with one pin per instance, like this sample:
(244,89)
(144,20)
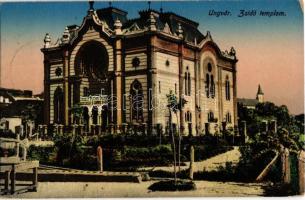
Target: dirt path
(220,160)
(208,165)
(80,190)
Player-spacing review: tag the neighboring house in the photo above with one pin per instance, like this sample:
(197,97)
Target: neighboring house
(139,61)
(251,103)
(16,105)
(10,123)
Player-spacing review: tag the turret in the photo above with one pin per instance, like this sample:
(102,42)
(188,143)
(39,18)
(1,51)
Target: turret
(152,22)
(180,31)
(118,27)
(65,36)
(47,41)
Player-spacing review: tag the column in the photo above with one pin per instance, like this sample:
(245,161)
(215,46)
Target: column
(99,120)
(89,120)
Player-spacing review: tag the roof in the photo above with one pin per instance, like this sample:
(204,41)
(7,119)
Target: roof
(16,92)
(165,23)
(189,27)
(19,95)
(247,102)
(110,14)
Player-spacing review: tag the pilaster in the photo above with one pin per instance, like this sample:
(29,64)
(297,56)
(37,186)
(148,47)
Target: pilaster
(66,87)
(46,93)
(118,80)
(181,83)
(235,94)
(197,93)
(151,81)
(220,100)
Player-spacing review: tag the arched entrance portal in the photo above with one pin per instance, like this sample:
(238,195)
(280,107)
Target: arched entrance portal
(91,65)
(91,68)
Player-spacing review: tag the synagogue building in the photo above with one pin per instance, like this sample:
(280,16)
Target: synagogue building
(120,71)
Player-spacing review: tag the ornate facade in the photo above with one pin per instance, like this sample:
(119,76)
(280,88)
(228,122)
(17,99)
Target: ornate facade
(120,70)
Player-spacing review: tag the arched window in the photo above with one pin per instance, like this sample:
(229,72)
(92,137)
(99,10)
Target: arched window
(86,92)
(228,118)
(187,82)
(209,82)
(212,88)
(228,95)
(188,117)
(58,106)
(210,116)
(207,85)
(136,93)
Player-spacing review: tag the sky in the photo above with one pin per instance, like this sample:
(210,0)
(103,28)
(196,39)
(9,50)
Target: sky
(270,50)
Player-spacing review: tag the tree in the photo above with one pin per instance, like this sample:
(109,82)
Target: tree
(174,106)
(77,112)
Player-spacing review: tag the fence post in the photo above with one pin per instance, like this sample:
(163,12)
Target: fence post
(17,145)
(100,158)
(192,158)
(45,131)
(285,165)
(301,160)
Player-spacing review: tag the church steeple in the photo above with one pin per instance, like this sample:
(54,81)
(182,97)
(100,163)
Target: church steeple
(260,94)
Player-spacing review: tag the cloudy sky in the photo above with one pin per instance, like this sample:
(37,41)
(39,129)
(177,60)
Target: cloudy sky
(270,49)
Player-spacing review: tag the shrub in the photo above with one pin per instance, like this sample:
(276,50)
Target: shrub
(180,185)
(279,190)
(45,155)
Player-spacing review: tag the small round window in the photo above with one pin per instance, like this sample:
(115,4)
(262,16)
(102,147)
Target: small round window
(136,62)
(58,71)
(209,67)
